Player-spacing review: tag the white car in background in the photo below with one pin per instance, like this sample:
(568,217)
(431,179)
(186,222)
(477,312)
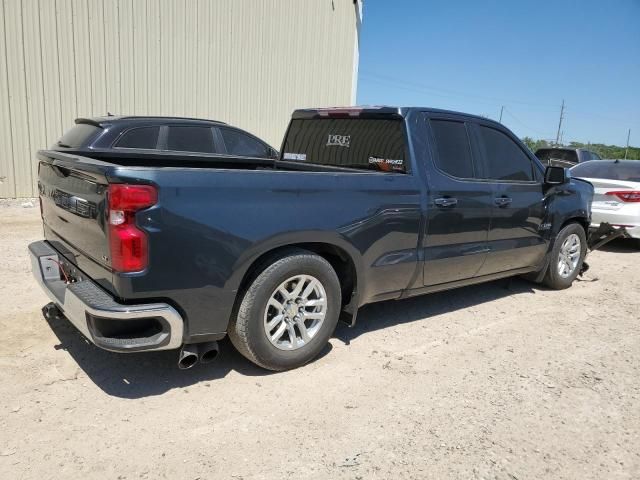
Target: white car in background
(616,198)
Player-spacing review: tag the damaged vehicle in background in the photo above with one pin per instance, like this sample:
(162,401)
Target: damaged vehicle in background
(616,199)
(363,205)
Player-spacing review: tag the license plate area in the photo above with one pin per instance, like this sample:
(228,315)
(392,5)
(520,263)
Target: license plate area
(50,267)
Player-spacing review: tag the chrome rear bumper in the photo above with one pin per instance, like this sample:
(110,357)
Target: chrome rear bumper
(106,323)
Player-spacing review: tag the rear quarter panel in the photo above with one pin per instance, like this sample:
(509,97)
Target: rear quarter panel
(211,225)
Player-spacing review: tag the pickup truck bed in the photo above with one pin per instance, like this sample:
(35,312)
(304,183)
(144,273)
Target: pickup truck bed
(201,241)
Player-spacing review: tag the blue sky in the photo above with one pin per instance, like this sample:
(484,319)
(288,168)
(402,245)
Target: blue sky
(475,56)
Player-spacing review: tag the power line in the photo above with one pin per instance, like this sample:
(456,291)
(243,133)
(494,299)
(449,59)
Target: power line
(604,117)
(422,91)
(448,92)
(528,127)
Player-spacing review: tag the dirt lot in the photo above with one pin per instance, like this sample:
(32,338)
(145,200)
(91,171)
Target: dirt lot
(493,381)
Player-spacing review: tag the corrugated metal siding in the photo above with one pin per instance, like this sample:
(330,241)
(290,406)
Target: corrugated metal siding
(246,62)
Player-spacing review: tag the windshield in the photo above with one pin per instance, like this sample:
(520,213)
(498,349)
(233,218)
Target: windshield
(358,143)
(546,154)
(629,171)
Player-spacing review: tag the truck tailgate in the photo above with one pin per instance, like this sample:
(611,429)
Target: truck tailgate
(73,201)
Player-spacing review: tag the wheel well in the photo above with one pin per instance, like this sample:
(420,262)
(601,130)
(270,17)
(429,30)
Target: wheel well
(339,259)
(583,222)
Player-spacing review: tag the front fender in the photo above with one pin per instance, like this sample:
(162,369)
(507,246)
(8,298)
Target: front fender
(569,202)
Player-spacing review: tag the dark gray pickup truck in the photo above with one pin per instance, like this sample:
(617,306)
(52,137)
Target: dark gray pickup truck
(363,204)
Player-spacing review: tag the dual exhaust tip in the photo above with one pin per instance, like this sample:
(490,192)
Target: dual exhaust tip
(202,352)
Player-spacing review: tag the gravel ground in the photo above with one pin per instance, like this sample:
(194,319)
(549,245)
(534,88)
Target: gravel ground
(505,380)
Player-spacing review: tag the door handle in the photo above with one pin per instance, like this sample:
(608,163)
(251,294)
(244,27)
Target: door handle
(446,202)
(502,202)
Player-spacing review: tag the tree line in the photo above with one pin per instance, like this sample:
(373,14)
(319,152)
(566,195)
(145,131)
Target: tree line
(605,151)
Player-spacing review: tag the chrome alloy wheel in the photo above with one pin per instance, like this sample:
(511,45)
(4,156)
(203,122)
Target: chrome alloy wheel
(569,255)
(295,312)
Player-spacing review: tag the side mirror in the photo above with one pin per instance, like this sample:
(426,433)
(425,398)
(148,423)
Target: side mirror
(556,175)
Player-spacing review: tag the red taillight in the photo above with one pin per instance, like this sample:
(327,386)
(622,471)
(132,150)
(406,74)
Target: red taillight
(128,244)
(340,112)
(626,195)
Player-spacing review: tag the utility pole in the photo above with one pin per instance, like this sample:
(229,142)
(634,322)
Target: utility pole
(560,122)
(626,150)
(501,110)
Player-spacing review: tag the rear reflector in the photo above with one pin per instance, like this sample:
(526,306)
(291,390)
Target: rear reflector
(127,243)
(626,195)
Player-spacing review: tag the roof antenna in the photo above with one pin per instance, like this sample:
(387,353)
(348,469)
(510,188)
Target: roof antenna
(109,114)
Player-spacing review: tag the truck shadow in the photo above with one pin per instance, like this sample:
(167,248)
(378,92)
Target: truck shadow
(383,315)
(139,375)
(622,245)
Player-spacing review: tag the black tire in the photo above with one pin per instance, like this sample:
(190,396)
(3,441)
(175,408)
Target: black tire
(246,331)
(552,278)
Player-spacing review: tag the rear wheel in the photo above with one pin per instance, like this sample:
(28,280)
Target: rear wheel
(567,256)
(288,312)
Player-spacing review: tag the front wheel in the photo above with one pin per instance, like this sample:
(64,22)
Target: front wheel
(567,256)
(288,312)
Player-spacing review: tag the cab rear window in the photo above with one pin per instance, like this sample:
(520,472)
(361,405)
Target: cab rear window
(356,143)
(78,136)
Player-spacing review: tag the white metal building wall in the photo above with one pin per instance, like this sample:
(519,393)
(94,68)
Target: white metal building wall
(245,62)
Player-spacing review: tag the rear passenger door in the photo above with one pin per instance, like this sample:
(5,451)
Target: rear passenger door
(459,204)
(515,237)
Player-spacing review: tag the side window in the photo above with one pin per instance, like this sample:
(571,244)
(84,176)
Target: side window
(595,156)
(143,137)
(185,138)
(454,151)
(505,159)
(239,143)
(586,156)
